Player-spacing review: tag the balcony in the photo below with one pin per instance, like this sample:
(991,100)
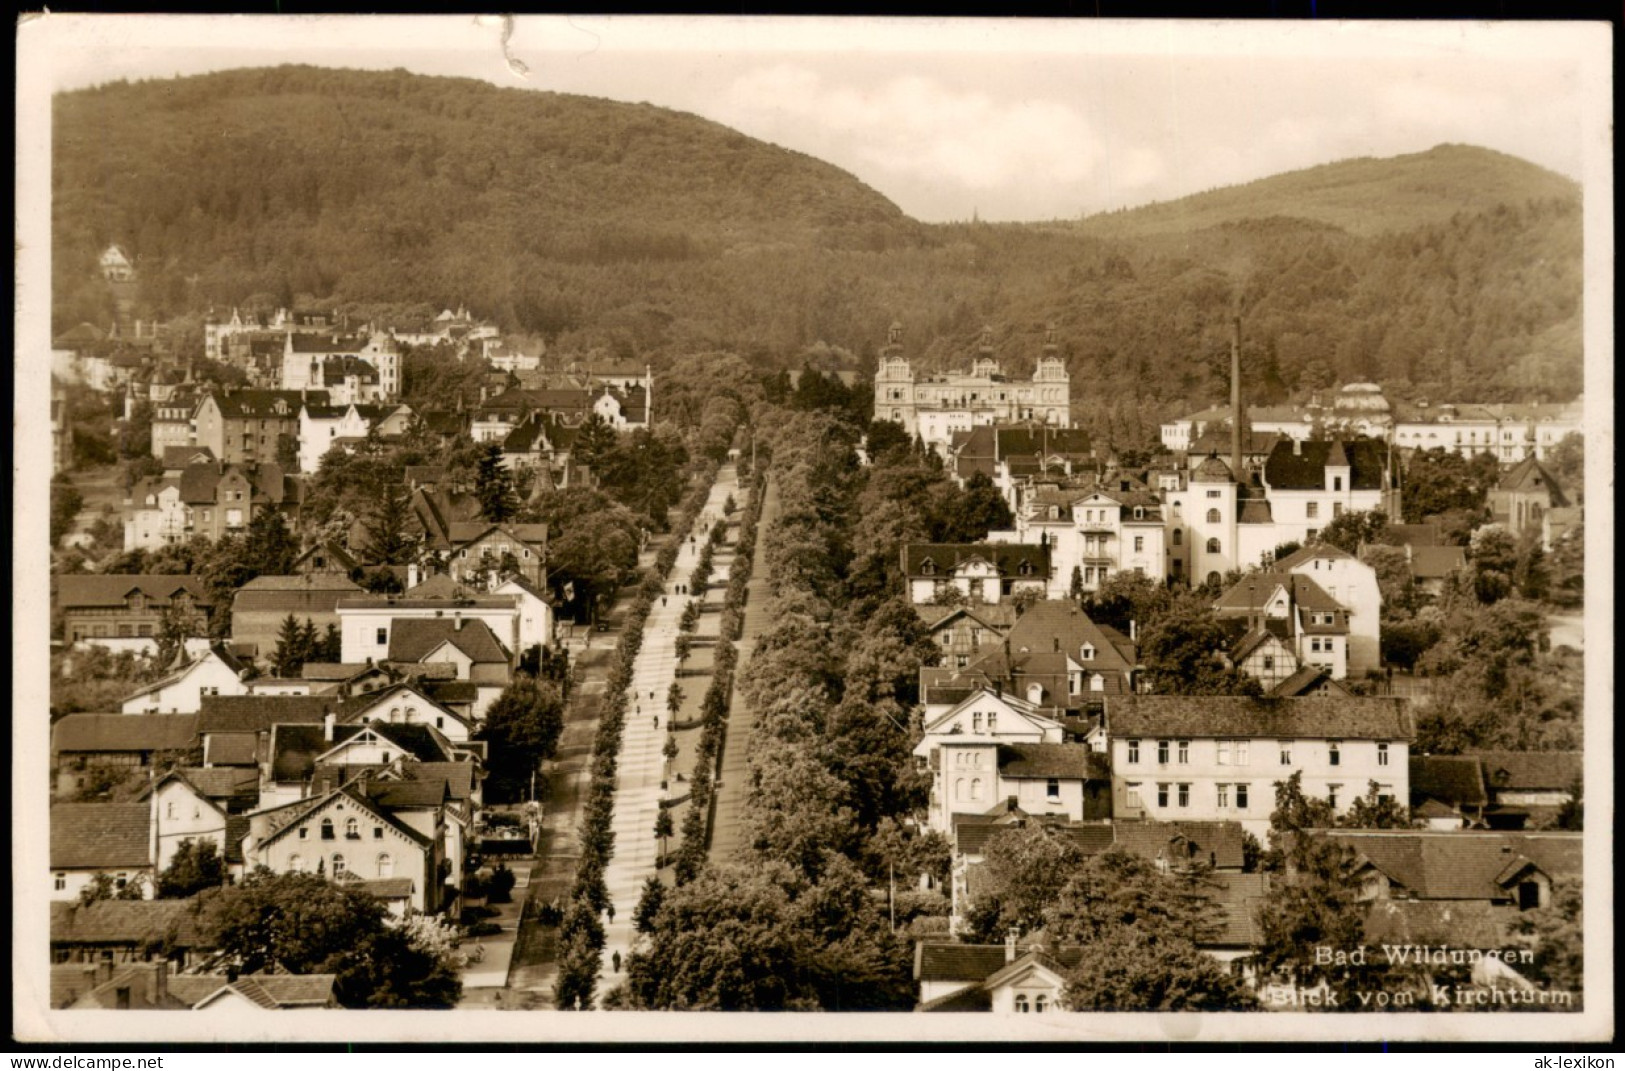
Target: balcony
(1097,526)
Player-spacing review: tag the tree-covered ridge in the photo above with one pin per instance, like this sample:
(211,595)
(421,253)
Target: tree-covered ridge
(1366,196)
(657,236)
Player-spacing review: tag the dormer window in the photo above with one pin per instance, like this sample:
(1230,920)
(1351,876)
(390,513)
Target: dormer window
(1086,653)
(1025,569)
(928,567)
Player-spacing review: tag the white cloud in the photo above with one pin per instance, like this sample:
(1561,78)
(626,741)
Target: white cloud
(914,127)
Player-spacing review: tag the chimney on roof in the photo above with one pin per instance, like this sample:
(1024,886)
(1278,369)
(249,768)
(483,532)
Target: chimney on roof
(1010,947)
(411,576)
(1057,642)
(1133,631)
(328,721)
(156,981)
(1011,804)
(1297,447)
(457,621)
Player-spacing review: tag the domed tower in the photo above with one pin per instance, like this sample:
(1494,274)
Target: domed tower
(1212,519)
(894,382)
(1052,384)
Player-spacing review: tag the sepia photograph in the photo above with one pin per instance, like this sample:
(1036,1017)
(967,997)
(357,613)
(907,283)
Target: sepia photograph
(571,529)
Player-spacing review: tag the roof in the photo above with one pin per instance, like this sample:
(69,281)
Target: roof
(261,404)
(970,998)
(387,888)
(1530,475)
(79,591)
(295,748)
(1452,779)
(1461,864)
(1237,897)
(301,582)
(1427,534)
(232,749)
(1296,717)
(136,922)
(100,835)
(1051,760)
(1149,839)
(468,531)
(257,713)
(395,794)
(412,638)
(341,557)
(269,991)
(441,586)
(1212,470)
(1060,619)
(1531,770)
(457,776)
(1459,923)
(1301,466)
(1436,563)
(972,832)
(944,962)
(333,671)
(352,794)
(219,782)
(1309,680)
(123,732)
(178,457)
(1007,558)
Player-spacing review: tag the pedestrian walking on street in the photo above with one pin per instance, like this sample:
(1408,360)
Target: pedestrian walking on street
(616,960)
(656,721)
(662,600)
(612,917)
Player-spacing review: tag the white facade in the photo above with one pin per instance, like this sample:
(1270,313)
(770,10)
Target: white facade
(1354,584)
(535,624)
(158,520)
(1206,779)
(408,706)
(68,883)
(180,814)
(364,623)
(935,407)
(181,692)
(318,433)
(960,746)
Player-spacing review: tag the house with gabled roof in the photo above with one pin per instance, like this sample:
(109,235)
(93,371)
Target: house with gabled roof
(81,743)
(108,933)
(1217,757)
(124,612)
(251,425)
(345,679)
(1511,868)
(1353,584)
(1290,622)
(216,672)
(344,831)
(1524,495)
(480,548)
(201,804)
(261,606)
(966,632)
(93,839)
(236,730)
(979,572)
(535,624)
(1311,483)
(404,704)
(297,751)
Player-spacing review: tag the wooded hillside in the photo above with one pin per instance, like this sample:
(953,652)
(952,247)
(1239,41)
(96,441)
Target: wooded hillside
(1452,273)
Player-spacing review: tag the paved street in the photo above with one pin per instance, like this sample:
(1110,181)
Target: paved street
(638,774)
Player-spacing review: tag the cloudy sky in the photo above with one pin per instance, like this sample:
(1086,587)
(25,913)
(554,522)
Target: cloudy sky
(1004,119)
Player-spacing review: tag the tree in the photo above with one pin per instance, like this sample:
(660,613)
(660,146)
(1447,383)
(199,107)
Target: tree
(390,538)
(1075,589)
(649,903)
(271,548)
(1493,556)
(967,516)
(66,502)
(1555,934)
(493,486)
(663,828)
(1566,463)
(1530,576)
(305,924)
(106,887)
(522,728)
(1183,653)
(1350,531)
(1373,811)
(1026,866)
(197,865)
(292,648)
(1128,970)
(1115,890)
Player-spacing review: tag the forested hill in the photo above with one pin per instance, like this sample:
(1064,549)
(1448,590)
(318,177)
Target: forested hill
(395,186)
(1453,273)
(1365,196)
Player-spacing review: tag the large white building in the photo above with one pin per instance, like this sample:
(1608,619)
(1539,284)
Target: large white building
(934,407)
(1218,757)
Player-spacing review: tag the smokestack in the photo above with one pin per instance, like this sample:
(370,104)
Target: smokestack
(328,721)
(1235,399)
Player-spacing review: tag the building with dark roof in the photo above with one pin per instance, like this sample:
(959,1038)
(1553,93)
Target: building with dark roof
(979,572)
(1490,867)
(1525,494)
(261,606)
(252,425)
(1217,757)
(124,611)
(81,744)
(92,839)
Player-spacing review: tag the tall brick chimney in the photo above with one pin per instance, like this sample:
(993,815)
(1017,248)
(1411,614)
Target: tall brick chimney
(1236,415)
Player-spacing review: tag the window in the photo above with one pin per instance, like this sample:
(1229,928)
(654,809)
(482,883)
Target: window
(383,636)
(1331,795)
(1213,516)
(338,864)
(1223,795)
(976,788)
(386,865)
(304,832)
(1184,752)
(959,789)
(296,863)
(1224,753)
(1086,653)
(1162,795)
(61,882)
(1215,494)
(1132,794)
(1334,753)
(1179,537)
(1241,752)
(1133,751)
(1184,794)
(992,720)
(1382,754)
(1213,546)
(1269,662)
(1162,752)
(1021,1003)
(1241,797)
(377,832)
(1139,543)
(1337,485)
(169,809)
(1337,507)
(1053,790)
(352,829)
(1040,1003)
(976,723)
(327,829)
(1312,510)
